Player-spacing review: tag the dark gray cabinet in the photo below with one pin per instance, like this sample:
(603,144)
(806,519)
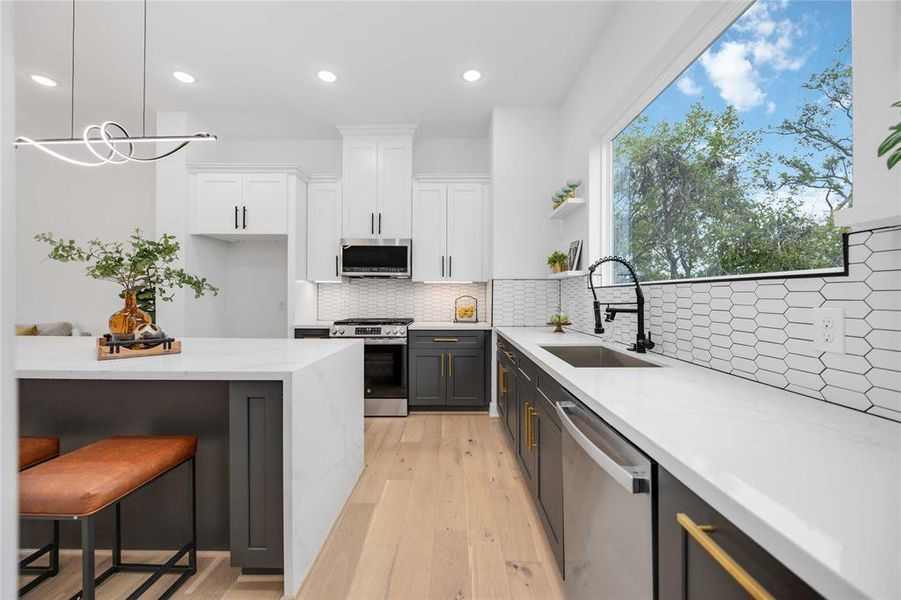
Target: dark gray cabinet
(255,475)
(536,437)
(448,369)
(687,569)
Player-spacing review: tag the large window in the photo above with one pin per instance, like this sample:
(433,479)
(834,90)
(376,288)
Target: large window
(736,168)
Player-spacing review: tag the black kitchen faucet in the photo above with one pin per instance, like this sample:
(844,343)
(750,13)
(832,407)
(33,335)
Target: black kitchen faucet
(642,343)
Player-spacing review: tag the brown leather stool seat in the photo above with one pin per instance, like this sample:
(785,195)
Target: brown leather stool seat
(36,449)
(91,478)
(80,484)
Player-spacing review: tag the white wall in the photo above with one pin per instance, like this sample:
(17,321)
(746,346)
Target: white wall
(451,155)
(255,290)
(9,420)
(525,154)
(81,204)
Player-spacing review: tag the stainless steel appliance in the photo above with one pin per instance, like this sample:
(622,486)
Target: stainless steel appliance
(607,512)
(384,362)
(376,258)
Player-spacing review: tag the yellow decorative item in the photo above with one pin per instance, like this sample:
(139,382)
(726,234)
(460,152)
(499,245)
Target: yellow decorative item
(466,310)
(26,329)
(130,317)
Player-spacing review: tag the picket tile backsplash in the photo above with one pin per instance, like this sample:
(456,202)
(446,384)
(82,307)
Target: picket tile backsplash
(757,329)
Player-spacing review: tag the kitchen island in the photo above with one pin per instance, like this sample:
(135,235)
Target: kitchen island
(280,427)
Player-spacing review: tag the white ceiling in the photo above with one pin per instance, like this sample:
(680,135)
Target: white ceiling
(255,62)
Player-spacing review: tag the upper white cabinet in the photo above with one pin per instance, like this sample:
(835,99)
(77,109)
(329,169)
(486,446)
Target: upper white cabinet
(448,240)
(323,230)
(377,181)
(234,204)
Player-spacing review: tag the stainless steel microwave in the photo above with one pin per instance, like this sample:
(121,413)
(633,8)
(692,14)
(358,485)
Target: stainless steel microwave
(376,258)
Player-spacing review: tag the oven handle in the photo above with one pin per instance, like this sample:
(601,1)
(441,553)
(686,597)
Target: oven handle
(384,341)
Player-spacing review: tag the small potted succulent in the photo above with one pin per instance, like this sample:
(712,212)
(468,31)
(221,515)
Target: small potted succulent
(140,269)
(559,320)
(557,261)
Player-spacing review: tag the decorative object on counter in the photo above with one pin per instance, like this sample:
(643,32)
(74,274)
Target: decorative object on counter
(109,348)
(146,301)
(466,310)
(559,320)
(566,192)
(557,261)
(575,254)
(144,266)
(109,143)
(149,334)
(892,144)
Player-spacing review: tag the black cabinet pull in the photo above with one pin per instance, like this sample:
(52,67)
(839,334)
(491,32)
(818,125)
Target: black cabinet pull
(371,222)
(236,217)
(442,265)
(336,265)
(245,217)
(450,266)
(380,223)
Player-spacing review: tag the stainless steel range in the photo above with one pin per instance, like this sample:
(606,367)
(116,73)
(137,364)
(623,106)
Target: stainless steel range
(384,362)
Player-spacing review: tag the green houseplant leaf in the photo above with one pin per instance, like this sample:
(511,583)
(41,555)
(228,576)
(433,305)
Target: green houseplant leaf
(892,144)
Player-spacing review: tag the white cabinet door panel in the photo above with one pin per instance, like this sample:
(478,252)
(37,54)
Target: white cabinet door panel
(429,232)
(323,231)
(464,232)
(265,203)
(393,218)
(360,189)
(218,203)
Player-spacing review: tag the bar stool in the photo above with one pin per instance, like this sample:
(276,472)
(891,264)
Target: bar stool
(79,485)
(34,450)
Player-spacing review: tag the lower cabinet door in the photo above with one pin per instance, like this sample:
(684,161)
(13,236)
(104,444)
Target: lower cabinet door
(549,488)
(255,474)
(526,448)
(687,568)
(465,377)
(512,418)
(428,377)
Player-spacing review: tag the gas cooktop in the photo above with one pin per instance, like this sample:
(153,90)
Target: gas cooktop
(393,321)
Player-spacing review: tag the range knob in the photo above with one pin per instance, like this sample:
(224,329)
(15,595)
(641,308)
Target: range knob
(340,331)
(334,331)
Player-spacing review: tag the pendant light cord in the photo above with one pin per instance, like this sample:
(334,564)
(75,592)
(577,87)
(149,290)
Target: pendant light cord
(72,99)
(144,90)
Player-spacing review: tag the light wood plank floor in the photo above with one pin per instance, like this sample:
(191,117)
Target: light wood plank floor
(441,511)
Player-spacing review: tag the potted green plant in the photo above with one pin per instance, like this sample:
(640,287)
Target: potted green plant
(892,144)
(557,261)
(142,265)
(559,320)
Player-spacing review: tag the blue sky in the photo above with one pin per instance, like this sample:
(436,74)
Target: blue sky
(759,63)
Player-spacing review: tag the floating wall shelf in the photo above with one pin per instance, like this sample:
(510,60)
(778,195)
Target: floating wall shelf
(567,274)
(567,208)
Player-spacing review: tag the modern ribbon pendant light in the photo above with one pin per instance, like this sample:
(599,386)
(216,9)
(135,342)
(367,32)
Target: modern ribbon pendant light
(109,142)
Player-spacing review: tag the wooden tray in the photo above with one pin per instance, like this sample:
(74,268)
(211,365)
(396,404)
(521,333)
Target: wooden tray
(114,351)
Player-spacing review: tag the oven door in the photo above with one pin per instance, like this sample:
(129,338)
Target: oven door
(375,258)
(385,377)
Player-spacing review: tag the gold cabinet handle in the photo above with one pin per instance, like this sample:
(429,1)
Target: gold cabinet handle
(442,364)
(450,340)
(700,534)
(450,364)
(532,443)
(500,380)
(528,427)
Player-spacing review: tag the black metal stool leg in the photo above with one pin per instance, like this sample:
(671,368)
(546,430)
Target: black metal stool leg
(87,558)
(117,537)
(192,555)
(54,551)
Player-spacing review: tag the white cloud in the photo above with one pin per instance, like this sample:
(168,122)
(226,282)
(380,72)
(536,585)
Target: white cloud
(770,107)
(734,76)
(688,86)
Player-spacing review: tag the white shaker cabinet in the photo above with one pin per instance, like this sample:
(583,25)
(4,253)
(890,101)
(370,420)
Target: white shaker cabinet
(448,239)
(235,204)
(323,230)
(377,181)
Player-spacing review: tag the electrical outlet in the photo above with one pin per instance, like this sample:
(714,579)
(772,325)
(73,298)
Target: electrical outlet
(829,329)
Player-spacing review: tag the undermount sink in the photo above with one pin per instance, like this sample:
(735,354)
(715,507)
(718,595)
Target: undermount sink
(596,357)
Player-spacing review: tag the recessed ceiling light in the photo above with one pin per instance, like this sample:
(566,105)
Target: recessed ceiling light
(327,76)
(472,75)
(183,77)
(42,80)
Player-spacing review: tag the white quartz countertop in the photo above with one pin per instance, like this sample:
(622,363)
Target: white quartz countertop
(817,485)
(40,357)
(480,325)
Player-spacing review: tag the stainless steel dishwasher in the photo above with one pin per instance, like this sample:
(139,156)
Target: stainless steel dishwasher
(607,511)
